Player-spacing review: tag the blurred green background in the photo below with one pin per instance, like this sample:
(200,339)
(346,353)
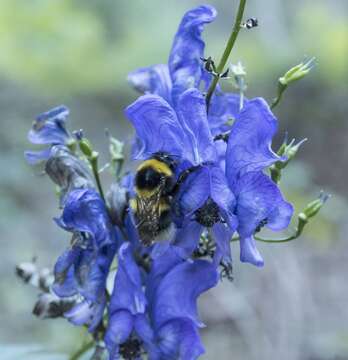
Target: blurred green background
(79,53)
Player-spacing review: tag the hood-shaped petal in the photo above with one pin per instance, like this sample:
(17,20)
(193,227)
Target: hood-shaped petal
(249,144)
(49,127)
(177,293)
(178,339)
(120,327)
(152,80)
(192,114)
(185,64)
(85,211)
(260,200)
(157,127)
(127,293)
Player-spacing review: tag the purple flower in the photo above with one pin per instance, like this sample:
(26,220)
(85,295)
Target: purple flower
(185,70)
(184,134)
(48,129)
(173,287)
(127,304)
(83,269)
(259,201)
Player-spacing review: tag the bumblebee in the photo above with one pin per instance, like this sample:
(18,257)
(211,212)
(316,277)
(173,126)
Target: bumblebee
(155,185)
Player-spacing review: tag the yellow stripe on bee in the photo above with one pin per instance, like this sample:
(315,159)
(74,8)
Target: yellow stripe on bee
(160,166)
(133,204)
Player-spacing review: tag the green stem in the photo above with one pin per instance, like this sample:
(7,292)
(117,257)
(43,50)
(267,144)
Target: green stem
(290,238)
(276,101)
(76,355)
(227,52)
(94,163)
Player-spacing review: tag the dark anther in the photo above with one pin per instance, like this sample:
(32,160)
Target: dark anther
(131,349)
(261,225)
(208,214)
(250,23)
(227,271)
(224,136)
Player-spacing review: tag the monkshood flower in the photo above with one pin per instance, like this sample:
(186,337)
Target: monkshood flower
(165,321)
(259,200)
(204,197)
(185,70)
(173,287)
(83,268)
(48,129)
(127,307)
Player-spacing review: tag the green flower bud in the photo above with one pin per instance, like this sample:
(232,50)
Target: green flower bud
(116,149)
(314,206)
(86,147)
(297,72)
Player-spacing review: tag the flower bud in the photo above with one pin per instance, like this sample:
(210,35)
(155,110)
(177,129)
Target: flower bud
(116,149)
(50,306)
(314,206)
(86,147)
(297,72)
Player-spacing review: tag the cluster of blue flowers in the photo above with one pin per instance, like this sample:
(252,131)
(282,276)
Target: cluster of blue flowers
(151,306)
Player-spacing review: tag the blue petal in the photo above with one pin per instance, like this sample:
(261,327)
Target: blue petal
(192,195)
(185,65)
(160,267)
(156,126)
(65,283)
(258,199)
(222,195)
(224,108)
(34,157)
(249,252)
(153,80)
(85,211)
(249,145)
(179,339)
(92,271)
(193,118)
(177,293)
(49,127)
(222,236)
(187,239)
(87,313)
(127,293)
(120,327)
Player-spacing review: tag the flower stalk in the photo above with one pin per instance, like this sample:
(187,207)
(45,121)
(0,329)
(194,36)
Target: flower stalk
(229,46)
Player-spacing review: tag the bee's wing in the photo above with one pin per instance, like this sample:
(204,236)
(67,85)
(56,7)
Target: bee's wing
(148,208)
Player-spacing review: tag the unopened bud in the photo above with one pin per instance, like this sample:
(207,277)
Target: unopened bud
(314,206)
(297,72)
(86,147)
(50,306)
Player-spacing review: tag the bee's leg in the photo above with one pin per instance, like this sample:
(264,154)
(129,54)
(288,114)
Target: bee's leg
(183,176)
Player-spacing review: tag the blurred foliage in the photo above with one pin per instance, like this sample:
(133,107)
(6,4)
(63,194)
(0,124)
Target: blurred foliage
(74,46)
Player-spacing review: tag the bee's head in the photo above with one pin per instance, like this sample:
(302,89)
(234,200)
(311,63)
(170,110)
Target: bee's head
(153,173)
